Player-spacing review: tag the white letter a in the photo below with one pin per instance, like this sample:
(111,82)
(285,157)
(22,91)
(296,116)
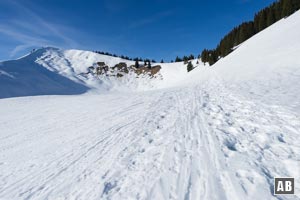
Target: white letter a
(280,186)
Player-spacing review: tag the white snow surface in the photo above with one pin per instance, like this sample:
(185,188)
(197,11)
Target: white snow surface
(220,132)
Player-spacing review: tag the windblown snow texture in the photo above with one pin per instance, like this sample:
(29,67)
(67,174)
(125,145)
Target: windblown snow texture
(24,77)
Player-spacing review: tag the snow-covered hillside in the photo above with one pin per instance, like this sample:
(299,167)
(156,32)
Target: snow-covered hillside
(49,71)
(24,77)
(220,132)
(74,64)
(266,67)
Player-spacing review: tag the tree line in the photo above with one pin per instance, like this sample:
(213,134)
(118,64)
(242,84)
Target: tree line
(126,57)
(146,60)
(263,19)
(184,58)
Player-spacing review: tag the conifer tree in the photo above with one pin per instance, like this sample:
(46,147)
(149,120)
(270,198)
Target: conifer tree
(286,8)
(191,57)
(178,59)
(295,5)
(270,18)
(185,59)
(190,66)
(137,65)
(149,64)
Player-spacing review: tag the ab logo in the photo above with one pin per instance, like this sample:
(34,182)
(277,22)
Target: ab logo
(284,186)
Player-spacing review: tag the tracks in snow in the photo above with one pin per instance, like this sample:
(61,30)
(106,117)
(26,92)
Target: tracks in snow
(202,142)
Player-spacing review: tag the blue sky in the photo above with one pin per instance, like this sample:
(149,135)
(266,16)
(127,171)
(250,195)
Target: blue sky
(145,28)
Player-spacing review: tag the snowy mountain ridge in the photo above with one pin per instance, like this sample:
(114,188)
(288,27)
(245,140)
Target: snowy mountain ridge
(76,65)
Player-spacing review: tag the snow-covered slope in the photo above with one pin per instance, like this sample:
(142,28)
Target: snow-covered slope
(265,67)
(46,71)
(221,132)
(74,64)
(24,77)
(53,71)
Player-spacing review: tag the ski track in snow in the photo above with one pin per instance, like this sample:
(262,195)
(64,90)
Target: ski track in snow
(201,142)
